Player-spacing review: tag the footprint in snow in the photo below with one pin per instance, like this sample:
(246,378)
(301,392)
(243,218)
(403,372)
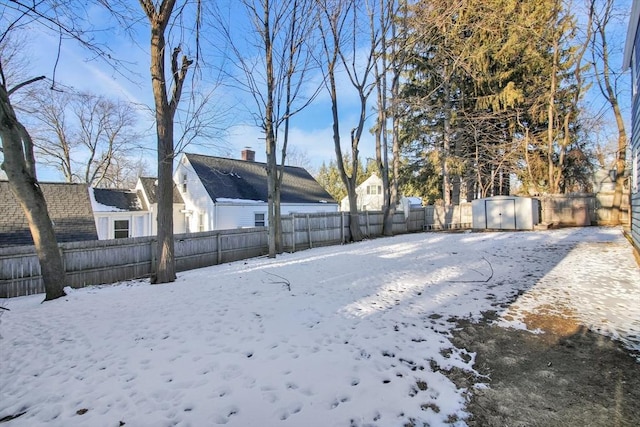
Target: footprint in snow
(338,401)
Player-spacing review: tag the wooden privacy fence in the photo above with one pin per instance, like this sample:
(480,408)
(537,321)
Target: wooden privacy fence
(304,231)
(581,209)
(109,261)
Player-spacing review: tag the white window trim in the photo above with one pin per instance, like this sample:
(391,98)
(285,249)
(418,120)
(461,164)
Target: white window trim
(128,220)
(264,219)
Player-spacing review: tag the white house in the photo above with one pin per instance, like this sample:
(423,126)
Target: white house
(221,193)
(146,187)
(370,197)
(122,213)
(118,213)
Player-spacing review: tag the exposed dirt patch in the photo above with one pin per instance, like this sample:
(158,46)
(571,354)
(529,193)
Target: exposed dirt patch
(564,376)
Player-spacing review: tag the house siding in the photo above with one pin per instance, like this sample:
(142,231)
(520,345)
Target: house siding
(237,216)
(635,140)
(197,202)
(243,215)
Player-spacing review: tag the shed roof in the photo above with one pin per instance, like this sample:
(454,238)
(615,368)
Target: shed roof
(230,179)
(69,208)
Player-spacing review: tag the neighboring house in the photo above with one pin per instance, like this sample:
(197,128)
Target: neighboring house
(147,186)
(132,213)
(221,193)
(69,208)
(119,213)
(370,197)
(632,60)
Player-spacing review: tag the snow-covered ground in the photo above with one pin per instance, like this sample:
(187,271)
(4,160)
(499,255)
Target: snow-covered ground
(350,335)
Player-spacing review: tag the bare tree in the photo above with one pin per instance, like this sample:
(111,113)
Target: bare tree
(19,165)
(350,48)
(392,27)
(300,158)
(80,134)
(167,90)
(125,171)
(273,60)
(604,17)
(17,144)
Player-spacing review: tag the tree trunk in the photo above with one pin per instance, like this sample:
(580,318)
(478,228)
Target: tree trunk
(551,108)
(278,218)
(606,83)
(165,266)
(272,168)
(349,181)
(19,166)
(621,158)
(446,147)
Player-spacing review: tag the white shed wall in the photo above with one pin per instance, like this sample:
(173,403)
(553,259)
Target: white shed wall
(505,213)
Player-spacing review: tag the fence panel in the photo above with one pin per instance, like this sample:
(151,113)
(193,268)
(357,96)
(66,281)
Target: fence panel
(109,261)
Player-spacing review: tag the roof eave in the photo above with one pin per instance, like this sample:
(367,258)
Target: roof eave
(631,35)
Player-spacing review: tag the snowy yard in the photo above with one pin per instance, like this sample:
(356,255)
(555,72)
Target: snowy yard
(354,335)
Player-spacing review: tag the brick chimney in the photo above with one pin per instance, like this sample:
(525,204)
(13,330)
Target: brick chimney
(248,155)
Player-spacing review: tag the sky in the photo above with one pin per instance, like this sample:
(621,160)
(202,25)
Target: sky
(361,336)
(311,133)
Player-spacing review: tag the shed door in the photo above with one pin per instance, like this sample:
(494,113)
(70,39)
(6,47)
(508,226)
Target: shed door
(501,214)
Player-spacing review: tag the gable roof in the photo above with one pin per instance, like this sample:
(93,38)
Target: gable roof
(373,179)
(245,180)
(149,185)
(116,200)
(69,208)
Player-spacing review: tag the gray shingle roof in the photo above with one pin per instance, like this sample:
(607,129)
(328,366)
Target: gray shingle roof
(69,208)
(127,200)
(149,185)
(241,179)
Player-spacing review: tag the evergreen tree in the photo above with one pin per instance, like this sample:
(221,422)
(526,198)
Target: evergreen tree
(492,91)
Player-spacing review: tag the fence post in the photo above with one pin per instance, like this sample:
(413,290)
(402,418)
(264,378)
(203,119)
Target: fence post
(219,247)
(367,216)
(342,227)
(293,233)
(309,232)
(154,249)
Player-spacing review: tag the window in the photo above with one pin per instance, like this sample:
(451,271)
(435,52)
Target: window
(259,219)
(374,189)
(184,183)
(201,222)
(121,229)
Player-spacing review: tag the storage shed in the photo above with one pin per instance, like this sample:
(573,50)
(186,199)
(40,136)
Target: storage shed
(505,213)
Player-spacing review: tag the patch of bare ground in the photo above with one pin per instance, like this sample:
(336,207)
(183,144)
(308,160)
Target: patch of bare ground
(565,375)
